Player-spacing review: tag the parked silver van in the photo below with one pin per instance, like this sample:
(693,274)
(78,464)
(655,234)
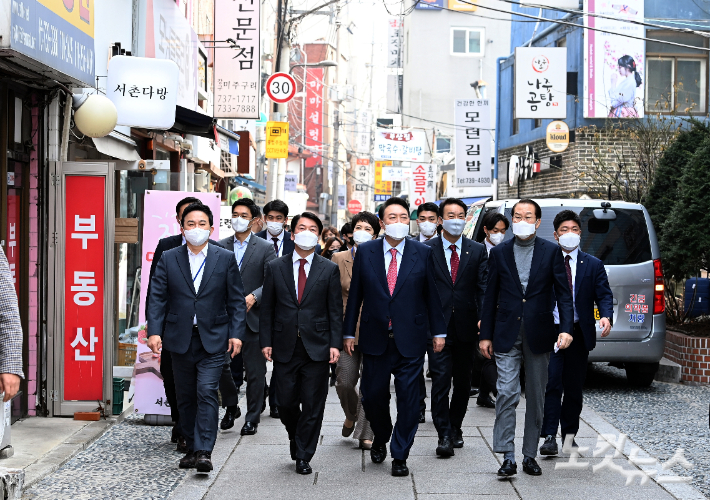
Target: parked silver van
(621,235)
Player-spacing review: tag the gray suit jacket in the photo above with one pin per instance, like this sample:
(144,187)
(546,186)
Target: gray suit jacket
(252,269)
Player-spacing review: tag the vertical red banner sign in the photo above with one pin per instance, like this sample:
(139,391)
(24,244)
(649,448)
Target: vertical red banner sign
(84,288)
(314,115)
(13,238)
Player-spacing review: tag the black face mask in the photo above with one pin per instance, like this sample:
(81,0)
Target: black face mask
(328,254)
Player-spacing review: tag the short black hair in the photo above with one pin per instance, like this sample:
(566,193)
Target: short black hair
(452,201)
(307,215)
(394,200)
(564,216)
(427,207)
(346,229)
(189,200)
(527,201)
(249,203)
(368,217)
(276,206)
(492,219)
(197,207)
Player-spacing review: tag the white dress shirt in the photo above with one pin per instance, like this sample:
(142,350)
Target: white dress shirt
(279,243)
(447,250)
(297,266)
(574,254)
(240,249)
(197,269)
(423,238)
(489,246)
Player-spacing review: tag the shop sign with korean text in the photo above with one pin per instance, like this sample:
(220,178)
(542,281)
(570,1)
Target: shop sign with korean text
(383,189)
(84,287)
(400,145)
(473,142)
(276,140)
(143,90)
(429,5)
(422,183)
(363,180)
(237,71)
(394,42)
(314,115)
(541,82)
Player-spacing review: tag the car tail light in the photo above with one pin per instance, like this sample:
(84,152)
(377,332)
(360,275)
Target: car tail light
(659,299)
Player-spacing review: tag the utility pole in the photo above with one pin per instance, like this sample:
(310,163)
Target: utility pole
(336,126)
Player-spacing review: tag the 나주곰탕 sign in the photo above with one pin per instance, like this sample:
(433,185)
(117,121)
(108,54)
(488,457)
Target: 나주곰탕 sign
(473,142)
(557,136)
(540,82)
(277,139)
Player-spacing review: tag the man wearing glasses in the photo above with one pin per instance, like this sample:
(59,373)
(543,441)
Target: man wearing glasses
(525,275)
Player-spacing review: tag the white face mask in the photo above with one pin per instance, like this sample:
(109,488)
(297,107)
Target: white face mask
(275,228)
(569,241)
(496,238)
(306,240)
(397,230)
(197,236)
(361,237)
(454,226)
(427,229)
(240,225)
(523,229)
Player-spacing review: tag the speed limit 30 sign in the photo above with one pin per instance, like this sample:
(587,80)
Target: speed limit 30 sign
(281,87)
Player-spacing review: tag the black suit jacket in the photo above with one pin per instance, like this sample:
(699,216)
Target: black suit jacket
(288,245)
(505,305)
(219,303)
(462,301)
(318,319)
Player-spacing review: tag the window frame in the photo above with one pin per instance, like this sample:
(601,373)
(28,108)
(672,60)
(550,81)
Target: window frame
(468,30)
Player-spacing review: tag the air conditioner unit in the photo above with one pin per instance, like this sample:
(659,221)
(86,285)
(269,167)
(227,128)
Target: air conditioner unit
(202,182)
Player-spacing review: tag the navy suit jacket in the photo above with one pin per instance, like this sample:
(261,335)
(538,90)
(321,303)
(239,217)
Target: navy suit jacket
(219,303)
(414,307)
(505,305)
(591,285)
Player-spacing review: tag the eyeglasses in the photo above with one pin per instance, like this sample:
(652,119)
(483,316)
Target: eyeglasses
(530,219)
(191,224)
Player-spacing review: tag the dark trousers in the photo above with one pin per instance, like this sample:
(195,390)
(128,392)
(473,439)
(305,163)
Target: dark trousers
(375,386)
(256,376)
(197,375)
(237,368)
(302,385)
(422,391)
(166,370)
(489,377)
(453,362)
(565,380)
(227,387)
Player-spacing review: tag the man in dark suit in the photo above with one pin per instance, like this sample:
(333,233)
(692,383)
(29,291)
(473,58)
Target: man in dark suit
(517,324)
(252,254)
(568,369)
(461,272)
(230,393)
(301,324)
(197,306)
(393,282)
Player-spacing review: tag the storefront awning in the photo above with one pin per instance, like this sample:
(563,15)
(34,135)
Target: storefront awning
(192,122)
(117,146)
(250,183)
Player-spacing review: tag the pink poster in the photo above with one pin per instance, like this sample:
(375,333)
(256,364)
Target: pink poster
(158,222)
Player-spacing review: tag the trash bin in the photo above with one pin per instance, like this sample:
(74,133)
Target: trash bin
(117,395)
(697,295)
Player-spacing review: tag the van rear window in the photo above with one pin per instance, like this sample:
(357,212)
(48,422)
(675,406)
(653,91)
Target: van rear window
(623,240)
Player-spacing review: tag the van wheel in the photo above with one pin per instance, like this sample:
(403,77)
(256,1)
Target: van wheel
(641,374)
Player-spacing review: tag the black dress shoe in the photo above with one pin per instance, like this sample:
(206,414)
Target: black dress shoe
(203,461)
(422,417)
(508,469)
(399,468)
(249,429)
(303,467)
(294,448)
(473,392)
(188,461)
(445,448)
(274,412)
(530,467)
(458,438)
(175,435)
(229,416)
(549,447)
(182,445)
(378,453)
(485,402)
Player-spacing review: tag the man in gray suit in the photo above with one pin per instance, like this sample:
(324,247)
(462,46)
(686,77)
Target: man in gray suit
(198,292)
(252,254)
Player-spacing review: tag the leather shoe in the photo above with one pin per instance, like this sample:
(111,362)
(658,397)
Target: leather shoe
(549,447)
(378,453)
(508,469)
(365,444)
(399,468)
(188,461)
(249,429)
(473,392)
(203,461)
(303,467)
(422,417)
(458,438)
(485,402)
(182,445)
(294,448)
(445,448)
(175,435)
(347,431)
(274,412)
(530,467)
(229,416)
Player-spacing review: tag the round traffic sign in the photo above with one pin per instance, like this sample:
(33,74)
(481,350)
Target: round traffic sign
(354,206)
(281,87)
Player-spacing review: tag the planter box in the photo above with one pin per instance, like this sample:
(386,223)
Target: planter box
(692,354)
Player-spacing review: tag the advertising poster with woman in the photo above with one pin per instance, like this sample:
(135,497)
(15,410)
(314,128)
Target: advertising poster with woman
(614,64)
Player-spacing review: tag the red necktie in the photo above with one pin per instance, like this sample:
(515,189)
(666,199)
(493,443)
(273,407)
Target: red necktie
(301,279)
(569,273)
(454,263)
(392,274)
(276,246)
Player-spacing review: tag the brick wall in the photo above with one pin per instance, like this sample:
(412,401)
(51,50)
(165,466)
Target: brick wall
(692,354)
